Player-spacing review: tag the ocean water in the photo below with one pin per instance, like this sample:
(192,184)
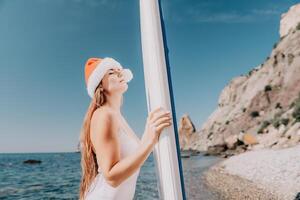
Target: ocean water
(58,177)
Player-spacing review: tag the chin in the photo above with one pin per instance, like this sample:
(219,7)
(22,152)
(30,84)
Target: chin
(124,87)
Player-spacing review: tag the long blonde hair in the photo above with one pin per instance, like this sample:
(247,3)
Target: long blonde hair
(89,165)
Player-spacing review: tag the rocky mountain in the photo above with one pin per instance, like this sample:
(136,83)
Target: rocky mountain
(289,20)
(260,109)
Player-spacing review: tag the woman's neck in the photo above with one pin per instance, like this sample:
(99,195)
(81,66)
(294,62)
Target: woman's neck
(115,102)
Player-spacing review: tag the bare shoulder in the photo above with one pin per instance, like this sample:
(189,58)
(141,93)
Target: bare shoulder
(104,121)
(102,113)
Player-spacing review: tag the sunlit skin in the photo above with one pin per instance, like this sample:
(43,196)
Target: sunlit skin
(105,124)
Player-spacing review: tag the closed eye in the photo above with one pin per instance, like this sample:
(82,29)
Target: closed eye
(111,71)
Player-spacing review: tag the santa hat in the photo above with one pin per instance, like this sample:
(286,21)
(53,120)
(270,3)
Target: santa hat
(96,68)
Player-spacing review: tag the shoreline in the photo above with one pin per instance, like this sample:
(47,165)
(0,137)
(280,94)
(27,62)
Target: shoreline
(262,174)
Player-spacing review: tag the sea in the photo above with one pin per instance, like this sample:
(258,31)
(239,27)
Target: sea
(58,177)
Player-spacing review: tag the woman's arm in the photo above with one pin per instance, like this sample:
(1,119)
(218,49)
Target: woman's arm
(104,130)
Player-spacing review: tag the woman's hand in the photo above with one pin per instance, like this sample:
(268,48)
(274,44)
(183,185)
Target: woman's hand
(157,120)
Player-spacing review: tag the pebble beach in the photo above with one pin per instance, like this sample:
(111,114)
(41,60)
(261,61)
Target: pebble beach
(261,174)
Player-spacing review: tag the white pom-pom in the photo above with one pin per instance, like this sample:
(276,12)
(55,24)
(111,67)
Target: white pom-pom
(127,74)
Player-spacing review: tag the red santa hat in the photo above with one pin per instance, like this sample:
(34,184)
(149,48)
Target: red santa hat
(96,68)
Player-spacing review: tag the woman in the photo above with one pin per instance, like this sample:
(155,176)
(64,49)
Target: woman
(111,153)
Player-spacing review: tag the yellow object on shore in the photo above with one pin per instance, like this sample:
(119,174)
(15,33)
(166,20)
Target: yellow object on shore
(249,139)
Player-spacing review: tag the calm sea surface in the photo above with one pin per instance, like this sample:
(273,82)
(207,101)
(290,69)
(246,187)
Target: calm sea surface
(58,177)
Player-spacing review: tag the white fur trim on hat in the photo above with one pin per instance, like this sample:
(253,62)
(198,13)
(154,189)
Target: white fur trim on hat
(99,72)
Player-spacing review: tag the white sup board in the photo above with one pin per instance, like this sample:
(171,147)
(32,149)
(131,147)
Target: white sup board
(159,94)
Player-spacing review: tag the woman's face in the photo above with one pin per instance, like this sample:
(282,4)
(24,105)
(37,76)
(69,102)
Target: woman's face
(113,81)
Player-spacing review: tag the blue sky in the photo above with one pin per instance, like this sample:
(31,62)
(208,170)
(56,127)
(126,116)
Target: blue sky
(45,43)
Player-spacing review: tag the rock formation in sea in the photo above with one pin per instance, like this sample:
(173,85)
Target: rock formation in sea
(32,161)
(260,109)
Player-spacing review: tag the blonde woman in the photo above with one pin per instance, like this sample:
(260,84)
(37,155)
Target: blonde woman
(111,153)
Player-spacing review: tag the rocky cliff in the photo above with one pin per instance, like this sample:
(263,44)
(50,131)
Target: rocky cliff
(289,20)
(260,109)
